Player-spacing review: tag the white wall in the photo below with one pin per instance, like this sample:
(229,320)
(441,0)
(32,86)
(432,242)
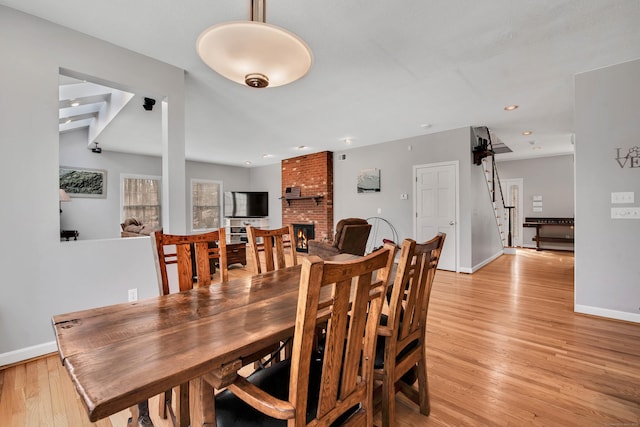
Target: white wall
(395,161)
(42,276)
(607,271)
(269,178)
(486,244)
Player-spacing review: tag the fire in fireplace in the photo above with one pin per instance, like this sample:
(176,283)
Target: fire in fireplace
(303,233)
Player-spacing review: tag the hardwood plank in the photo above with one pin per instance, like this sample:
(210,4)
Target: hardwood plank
(17,384)
(37,394)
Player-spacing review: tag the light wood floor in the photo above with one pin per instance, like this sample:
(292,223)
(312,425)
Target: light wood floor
(505,349)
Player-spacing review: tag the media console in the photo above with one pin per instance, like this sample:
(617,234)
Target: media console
(236,228)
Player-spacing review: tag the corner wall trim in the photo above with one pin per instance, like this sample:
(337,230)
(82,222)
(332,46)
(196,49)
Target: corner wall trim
(27,353)
(605,312)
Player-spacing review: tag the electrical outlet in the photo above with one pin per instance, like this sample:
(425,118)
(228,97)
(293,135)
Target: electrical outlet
(133,294)
(404,196)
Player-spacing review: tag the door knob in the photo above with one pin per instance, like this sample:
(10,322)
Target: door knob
(452,223)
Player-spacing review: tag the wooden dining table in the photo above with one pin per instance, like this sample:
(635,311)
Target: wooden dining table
(122,354)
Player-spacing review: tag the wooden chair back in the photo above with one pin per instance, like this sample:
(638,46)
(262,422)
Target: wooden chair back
(273,245)
(184,251)
(405,330)
(349,296)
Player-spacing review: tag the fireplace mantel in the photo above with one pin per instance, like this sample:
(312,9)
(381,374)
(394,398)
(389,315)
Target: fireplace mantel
(315,198)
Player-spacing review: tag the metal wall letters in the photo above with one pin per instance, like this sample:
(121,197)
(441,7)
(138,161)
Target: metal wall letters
(630,160)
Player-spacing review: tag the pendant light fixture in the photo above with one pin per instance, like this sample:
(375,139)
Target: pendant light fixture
(253,52)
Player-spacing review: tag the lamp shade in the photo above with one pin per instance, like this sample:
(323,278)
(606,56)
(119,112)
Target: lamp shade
(64,197)
(254,53)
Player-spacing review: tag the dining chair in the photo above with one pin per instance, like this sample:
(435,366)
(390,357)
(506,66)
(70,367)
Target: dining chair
(400,348)
(335,387)
(190,253)
(274,246)
(187,252)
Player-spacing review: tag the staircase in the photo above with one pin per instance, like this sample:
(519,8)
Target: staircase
(484,155)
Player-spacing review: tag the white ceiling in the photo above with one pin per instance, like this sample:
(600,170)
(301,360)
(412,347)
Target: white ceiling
(382,69)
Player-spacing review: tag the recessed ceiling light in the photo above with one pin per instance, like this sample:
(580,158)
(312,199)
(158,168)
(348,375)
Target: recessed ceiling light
(265,155)
(348,141)
(247,162)
(301,147)
(527,132)
(510,107)
(425,125)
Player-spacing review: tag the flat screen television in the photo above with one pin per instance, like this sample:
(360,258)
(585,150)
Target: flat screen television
(246,204)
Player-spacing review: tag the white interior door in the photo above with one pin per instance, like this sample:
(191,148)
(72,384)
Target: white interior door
(512,190)
(436,197)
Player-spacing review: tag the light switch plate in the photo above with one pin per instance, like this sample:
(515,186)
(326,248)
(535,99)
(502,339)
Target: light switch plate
(622,197)
(625,213)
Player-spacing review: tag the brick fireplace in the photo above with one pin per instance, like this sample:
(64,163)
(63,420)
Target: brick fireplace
(313,175)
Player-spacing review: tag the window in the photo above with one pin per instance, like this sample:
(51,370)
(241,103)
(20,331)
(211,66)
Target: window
(205,204)
(141,199)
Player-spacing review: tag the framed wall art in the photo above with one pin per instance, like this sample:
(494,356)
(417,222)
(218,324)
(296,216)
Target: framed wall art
(81,182)
(369,181)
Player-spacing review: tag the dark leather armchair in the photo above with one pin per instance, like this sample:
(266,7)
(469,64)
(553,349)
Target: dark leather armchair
(351,238)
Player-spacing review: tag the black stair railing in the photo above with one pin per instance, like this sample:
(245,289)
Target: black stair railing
(485,149)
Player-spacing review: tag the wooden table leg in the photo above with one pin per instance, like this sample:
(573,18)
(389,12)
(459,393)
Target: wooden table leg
(207,404)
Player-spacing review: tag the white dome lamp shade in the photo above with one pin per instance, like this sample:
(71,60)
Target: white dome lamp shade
(254,53)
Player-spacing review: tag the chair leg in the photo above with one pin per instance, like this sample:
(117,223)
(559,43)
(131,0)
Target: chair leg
(164,400)
(423,388)
(181,417)
(135,413)
(421,396)
(388,399)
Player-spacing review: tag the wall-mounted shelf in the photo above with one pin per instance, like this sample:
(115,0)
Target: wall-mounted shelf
(315,198)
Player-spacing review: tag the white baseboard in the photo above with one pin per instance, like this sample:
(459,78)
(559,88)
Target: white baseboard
(605,312)
(485,262)
(27,353)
